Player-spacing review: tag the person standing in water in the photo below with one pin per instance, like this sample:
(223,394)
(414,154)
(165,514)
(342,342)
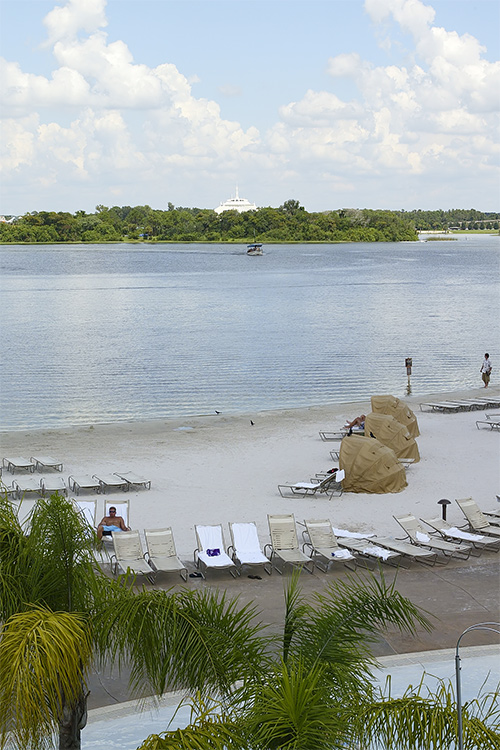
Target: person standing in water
(486,369)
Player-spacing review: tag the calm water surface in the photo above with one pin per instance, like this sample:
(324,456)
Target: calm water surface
(107,333)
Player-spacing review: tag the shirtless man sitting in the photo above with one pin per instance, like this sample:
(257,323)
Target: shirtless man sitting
(111,523)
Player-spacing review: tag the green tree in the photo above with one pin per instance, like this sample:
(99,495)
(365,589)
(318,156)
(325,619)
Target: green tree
(59,612)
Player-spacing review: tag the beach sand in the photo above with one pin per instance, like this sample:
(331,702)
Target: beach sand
(221,468)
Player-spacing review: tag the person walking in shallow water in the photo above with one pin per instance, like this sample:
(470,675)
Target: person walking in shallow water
(486,369)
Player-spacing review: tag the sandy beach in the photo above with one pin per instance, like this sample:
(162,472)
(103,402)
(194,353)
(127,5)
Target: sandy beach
(220,468)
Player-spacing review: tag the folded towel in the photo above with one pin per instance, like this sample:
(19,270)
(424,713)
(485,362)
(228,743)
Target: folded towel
(453,531)
(375,551)
(422,537)
(342,554)
(351,534)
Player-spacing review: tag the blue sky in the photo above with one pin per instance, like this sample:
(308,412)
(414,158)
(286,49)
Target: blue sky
(378,104)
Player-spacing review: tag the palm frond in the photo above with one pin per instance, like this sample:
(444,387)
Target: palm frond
(185,639)
(292,710)
(425,718)
(210,729)
(296,612)
(43,658)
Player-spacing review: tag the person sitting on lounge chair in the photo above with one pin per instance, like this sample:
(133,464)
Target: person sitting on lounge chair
(111,523)
(358,422)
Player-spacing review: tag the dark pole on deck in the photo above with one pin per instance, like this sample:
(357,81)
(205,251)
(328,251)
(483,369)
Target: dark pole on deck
(443,503)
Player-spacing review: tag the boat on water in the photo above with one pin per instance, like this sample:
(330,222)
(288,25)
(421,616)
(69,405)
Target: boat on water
(255,248)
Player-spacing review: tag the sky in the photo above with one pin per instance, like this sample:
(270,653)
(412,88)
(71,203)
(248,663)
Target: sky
(390,104)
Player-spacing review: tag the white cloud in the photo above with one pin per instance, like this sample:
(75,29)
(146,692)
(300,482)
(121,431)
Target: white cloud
(103,119)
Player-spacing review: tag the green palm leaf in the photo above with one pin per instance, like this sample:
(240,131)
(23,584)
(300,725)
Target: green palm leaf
(43,657)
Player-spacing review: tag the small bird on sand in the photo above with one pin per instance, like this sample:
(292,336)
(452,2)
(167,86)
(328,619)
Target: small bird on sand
(252,422)
(217,412)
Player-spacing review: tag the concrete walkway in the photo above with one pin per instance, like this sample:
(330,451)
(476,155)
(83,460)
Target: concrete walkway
(454,596)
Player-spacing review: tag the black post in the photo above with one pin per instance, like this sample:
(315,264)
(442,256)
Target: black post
(443,503)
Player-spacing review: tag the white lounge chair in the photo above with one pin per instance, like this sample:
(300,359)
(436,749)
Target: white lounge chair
(493,424)
(443,406)
(476,519)
(453,533)
(417,535)
(210,550)
(110,481)
(53,484)
(245,546)
(27,485)
(324,547)
(128,555)
(134,480)
(18,464)
(83,482)
(408,551)
(46,462)
(88,509)
(330,485)
(368,551)
(284,544)
(161,552)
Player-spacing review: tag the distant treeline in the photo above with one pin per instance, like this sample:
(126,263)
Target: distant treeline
(288,223)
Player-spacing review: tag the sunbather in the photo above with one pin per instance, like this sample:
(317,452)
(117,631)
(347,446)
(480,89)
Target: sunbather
(357,422)
(111,523)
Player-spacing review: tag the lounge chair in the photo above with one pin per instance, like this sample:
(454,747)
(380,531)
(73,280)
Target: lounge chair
(407,550)
(477,521)
(88,509)
(245,546)
(493,516)
(210,550)
(284,544)
(368,551)
(111,481)
(27,485)
(128,555)
(326,436)
(330,485)
(417,535)
(493,424)
(447,531)
(83,482)
(8,490)
(134,480)
(161,552)
(18,464)
(323,545)
(53,484)
(46,462)
(443,406)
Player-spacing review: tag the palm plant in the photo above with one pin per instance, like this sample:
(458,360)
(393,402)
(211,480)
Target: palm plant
(59,613)
(316,689)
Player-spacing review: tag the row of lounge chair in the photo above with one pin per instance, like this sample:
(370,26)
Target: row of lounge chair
(35,463)
(470,404)
(322,545)
(100,483)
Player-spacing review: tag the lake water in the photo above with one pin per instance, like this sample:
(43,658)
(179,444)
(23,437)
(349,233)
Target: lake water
(107,333)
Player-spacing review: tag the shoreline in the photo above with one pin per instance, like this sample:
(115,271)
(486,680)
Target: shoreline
(301,412)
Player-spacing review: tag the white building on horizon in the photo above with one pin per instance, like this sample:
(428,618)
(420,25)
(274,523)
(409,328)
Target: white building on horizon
(236,204)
